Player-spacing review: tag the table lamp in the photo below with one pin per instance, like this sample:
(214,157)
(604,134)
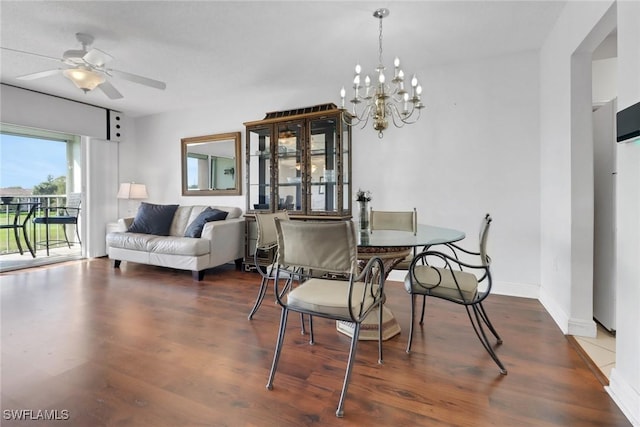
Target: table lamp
(132,191)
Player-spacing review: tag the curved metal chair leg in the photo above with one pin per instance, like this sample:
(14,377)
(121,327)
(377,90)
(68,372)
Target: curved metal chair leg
(424,302)
(66,238)
(380,313)
(487,322)
(347,376)
(17,237)
(261,293)
(411,321)
(276,355)
(479,330)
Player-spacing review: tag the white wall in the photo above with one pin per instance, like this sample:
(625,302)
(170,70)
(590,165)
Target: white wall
(474,151)
(605,80)
(565,135)
(566,161)
(625,377)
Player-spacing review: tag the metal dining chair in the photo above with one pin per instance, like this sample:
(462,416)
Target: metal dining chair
(396,220)
(446,276)
(323,257)
(266,245)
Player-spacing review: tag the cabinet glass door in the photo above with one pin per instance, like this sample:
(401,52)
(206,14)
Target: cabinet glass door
(259,168)
(323,166)
(291,170)
(345,147)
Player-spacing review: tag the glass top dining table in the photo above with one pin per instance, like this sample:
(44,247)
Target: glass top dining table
(424,236)
(393,246)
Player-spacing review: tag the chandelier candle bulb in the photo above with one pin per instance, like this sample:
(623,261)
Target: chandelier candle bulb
(396,66)
(383,99)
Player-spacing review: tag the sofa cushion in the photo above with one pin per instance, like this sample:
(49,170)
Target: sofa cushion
(161,245)
(195,228)
(153,219)
(232,211)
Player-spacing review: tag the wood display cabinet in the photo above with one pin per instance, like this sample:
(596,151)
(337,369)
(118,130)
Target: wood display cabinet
(299,161)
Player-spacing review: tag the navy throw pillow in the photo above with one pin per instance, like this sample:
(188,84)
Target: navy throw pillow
(153,219)
(195,228)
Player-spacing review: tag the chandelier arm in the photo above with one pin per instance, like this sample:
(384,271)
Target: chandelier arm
(409,120)
(366,114)
(396,116)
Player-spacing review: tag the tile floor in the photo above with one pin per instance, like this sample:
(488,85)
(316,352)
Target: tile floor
(601,350)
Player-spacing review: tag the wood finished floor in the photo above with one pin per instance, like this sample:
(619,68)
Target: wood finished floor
(147,346)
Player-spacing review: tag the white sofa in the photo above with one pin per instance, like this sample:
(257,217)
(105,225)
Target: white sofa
(221,242)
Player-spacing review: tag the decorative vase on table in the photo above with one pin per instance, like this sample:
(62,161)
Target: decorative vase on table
(363,197)
(364,215)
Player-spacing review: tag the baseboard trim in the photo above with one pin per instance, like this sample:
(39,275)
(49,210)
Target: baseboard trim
(625,397)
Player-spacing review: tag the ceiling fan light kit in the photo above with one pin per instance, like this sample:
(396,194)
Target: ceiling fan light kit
(83,78)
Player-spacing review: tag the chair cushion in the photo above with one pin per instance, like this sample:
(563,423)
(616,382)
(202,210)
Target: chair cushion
(438,282)
(195,228)
(328,297)
(56,220)
(153,219)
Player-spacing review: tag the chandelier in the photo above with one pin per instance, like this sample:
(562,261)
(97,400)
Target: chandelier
(383,100)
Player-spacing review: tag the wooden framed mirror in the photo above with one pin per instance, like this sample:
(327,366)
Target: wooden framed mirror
(211,165)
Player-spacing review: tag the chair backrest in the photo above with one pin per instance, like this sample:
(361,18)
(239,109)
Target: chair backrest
(74,200)
(266,227)
(328,246)
(394,220)
(484,236)
(72,205)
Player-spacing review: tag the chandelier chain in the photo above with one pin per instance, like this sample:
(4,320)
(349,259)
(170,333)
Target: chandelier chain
(380,44)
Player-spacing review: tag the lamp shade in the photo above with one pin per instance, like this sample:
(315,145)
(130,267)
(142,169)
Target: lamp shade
(130,190)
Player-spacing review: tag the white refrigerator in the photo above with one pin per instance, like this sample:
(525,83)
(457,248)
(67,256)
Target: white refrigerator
(604,233)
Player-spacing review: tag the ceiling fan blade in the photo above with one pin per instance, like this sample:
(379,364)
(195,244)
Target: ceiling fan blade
(32,53)
(138,79)
(38,75)
(108,89)
(97,57)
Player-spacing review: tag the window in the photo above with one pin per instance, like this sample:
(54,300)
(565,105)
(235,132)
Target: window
(36,166)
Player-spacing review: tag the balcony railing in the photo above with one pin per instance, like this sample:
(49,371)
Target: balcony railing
(35,232)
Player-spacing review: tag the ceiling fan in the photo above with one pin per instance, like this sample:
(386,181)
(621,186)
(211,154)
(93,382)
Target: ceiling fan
(87,69)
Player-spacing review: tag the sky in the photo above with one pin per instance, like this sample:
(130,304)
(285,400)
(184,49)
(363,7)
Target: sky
(26,162)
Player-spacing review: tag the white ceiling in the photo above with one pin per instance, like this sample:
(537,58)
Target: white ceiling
(204,48)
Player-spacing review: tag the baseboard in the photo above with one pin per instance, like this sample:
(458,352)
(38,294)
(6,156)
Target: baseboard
(583,328)
(523,290)
(627,399)
(555,311)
